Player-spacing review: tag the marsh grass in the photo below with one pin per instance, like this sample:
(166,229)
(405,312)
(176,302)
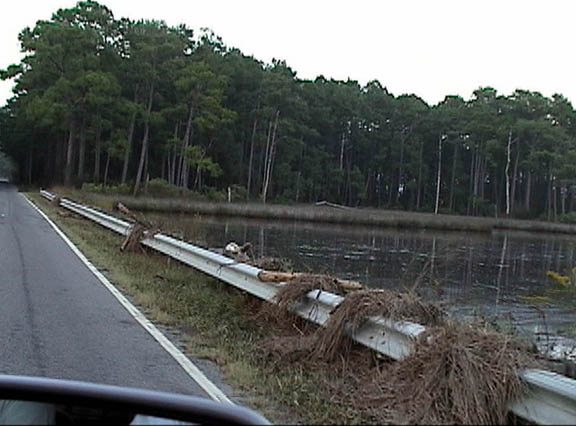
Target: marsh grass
(357,216)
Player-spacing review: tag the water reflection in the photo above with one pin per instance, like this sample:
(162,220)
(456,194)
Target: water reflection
(472,273)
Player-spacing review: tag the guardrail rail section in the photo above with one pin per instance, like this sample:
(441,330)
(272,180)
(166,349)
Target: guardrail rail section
(551,398)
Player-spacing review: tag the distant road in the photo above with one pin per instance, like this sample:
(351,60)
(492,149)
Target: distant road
(57,319)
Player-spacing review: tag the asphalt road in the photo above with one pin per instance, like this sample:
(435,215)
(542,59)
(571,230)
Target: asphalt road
(57,320)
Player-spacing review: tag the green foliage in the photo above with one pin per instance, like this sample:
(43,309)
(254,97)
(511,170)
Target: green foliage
(197,159)
(148,102)
(569,218)
(120,189)
(162,189)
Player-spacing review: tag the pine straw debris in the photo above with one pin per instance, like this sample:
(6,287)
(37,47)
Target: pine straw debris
(297,288)
(457,373)
(358,306)
(462,374)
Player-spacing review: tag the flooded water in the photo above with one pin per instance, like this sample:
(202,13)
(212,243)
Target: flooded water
(498,276)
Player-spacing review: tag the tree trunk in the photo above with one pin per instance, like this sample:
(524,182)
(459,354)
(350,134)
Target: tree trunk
(401,167)
(482,187)
(297,196)
(549,193)
(82,151)
(128,150)
(342,145)
(251,158)
(268,171)
(30,164)
(173,168)
(146,174)
(471,184)
(507,172)
(419,185)
(515,177)
(554,202)
(453,183)
(563,192)
(184,167)
(144,148)
(266,153)
(198,179)
(69,153)
(171,156)
(438,174)
(527,193)
(97,150)
(106,169)
(496,185)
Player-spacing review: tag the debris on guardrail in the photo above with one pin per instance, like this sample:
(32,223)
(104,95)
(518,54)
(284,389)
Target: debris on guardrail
(357,307)
(299,285)
(140,229)
(460,374)
(245,254)
(239,253)
(56,201)
(296,278)
(456,374)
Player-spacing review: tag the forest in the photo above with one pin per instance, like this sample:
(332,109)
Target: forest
(112,102)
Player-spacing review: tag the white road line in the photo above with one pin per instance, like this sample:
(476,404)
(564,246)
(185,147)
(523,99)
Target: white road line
(193,371)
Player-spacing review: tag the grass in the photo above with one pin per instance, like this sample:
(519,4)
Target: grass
(359,216)
(216,322)
(274,359)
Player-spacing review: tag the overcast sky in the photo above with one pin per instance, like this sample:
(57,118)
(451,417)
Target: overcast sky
(431,48)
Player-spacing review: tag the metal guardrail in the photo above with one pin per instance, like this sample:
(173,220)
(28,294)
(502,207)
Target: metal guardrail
(551,398)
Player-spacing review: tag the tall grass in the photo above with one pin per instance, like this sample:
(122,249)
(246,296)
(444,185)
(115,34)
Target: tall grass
(325,214)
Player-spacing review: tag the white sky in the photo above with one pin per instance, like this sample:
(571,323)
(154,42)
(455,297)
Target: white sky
(431,48)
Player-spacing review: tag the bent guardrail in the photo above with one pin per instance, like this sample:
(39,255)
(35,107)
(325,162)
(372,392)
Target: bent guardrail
(551,398)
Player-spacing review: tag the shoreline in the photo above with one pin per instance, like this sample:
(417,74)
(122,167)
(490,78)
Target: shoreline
(350,216)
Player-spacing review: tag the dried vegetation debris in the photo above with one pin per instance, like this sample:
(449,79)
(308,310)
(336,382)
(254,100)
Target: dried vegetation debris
(294,290)
(245,254)
(460,373)
(457,373)
(276,264)
(360,305)
(140,229)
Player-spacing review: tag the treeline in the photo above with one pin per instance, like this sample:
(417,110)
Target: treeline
(114,101)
